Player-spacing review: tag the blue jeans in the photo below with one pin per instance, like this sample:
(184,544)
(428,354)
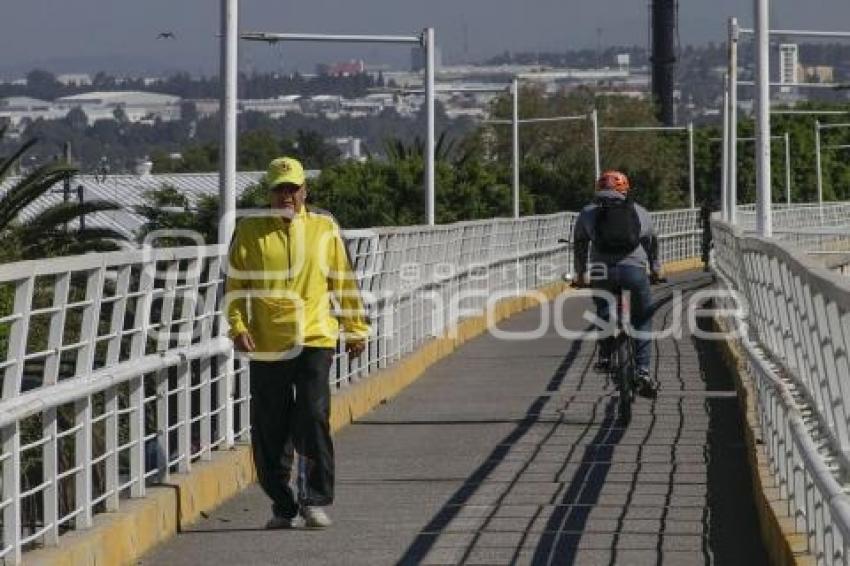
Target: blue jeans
(635,280)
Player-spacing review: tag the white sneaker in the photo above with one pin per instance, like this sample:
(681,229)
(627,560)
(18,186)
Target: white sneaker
(316,518)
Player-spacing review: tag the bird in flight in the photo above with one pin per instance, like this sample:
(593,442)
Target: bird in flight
(166,35)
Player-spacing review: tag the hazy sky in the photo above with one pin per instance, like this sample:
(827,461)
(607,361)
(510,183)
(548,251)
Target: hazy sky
(85,35)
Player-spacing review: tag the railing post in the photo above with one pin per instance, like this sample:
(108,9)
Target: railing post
(209,308)
(83,408)
(113,354)
(50,428)
(163,389)
(189,301)
(11,488)
(138,345)
(733,121)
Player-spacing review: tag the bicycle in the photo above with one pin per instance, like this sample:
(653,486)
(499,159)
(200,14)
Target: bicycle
(622,367)
(622,358)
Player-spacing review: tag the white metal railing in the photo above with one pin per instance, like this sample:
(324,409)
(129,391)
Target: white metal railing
(800,215)
(115,373)
(797,349)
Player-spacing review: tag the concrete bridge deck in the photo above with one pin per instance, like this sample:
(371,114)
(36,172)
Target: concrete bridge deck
(507,453)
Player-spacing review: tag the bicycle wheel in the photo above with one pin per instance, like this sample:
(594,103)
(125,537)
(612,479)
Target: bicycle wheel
(625,369)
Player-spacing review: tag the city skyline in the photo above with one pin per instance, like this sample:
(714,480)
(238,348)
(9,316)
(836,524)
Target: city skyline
(160,36)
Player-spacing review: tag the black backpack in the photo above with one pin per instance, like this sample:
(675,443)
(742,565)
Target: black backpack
(617,230)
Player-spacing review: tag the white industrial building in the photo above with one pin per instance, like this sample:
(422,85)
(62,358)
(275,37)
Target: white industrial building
(16,110)
(137,106)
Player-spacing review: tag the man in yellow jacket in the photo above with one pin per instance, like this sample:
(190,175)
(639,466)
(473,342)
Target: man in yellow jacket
(285,269)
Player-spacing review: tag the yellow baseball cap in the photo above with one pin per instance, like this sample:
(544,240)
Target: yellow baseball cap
(285,170)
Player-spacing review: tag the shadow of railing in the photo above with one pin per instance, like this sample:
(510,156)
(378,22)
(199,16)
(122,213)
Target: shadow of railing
(426,540)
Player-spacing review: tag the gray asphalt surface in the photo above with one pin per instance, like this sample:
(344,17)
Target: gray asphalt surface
(507,452)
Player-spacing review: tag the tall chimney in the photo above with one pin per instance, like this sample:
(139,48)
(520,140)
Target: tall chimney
(664,15)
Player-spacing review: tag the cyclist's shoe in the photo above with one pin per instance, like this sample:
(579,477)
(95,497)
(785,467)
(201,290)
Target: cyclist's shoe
(645,385)
(602,364)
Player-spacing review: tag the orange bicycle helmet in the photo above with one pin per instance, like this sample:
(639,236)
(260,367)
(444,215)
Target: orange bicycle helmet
(613,180)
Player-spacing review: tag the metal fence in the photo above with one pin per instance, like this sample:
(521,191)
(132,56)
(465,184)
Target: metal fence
(115,372)
(796,341)
(799,215)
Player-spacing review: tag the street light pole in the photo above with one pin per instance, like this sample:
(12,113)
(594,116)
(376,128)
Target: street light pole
(724,172)
(227,169)
(732,175)
(515,142)
(764,220)
(818,167)
(594,119)
(430,142)
(787,169)
(227,113)
(691,181)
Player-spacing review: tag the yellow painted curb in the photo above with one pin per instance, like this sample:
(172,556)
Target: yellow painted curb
(785,546)
(122,537)
(690,264)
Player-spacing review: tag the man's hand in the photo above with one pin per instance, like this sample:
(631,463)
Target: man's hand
(244,343)
(354,349)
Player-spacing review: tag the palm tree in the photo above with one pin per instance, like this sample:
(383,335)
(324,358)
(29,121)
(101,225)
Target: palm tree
(48,233)
(397,150)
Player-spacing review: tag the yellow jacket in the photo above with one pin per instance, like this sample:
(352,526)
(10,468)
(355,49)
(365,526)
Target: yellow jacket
(281,277)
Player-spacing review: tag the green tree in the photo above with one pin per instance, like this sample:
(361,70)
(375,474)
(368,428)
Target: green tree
(167,209)
(556,158)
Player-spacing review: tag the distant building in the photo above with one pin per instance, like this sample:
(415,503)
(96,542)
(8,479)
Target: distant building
(74,79)
(327,105)
(788,65)
(16,110)
(205,107)
(346,69)
(272,107)
(819,73)
(136,106)
(350,148)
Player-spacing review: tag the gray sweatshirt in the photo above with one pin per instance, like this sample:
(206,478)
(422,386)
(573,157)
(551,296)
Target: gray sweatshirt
(645,255)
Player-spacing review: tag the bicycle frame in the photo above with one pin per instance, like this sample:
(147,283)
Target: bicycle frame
(623,365)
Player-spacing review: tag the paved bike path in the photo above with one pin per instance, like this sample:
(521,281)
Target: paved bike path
(507,452)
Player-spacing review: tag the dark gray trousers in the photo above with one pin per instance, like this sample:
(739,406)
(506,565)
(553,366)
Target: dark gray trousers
(290,410)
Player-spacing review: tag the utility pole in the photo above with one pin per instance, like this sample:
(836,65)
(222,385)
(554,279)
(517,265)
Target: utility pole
(81,199)
(664,15)
(66,184)
(227,112)
(764,217)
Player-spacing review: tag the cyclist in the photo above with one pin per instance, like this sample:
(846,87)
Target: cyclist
(622,245)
